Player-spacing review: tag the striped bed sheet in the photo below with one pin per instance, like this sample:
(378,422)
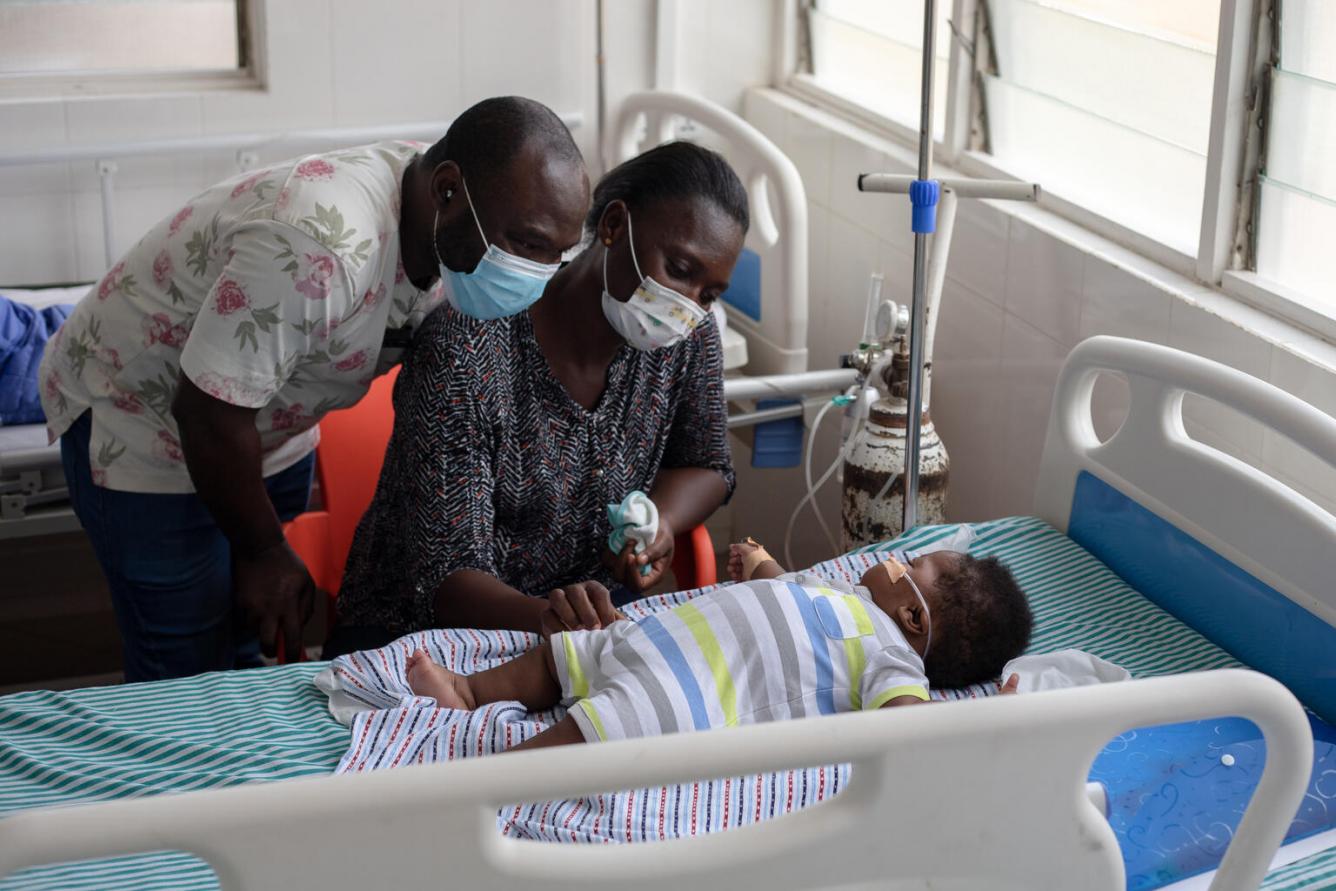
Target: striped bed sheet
(271,724)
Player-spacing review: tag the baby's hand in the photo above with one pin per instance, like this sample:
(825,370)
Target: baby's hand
(1011,686)
(737,553)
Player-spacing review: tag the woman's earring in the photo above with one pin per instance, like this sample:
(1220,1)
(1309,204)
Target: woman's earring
(608,242)
(449,193)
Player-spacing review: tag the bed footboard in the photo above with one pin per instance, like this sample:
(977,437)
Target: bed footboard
(970,795)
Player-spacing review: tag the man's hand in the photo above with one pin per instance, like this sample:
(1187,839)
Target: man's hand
(585,606)
(626,567)
(277,596)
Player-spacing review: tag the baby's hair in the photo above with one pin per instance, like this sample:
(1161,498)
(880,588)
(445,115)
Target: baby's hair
(980,622)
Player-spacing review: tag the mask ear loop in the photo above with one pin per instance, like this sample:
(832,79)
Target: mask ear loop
(435,231)
(631,241)
(481,234)
(927,613)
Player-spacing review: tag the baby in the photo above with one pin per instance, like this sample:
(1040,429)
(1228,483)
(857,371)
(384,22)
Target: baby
(775,645)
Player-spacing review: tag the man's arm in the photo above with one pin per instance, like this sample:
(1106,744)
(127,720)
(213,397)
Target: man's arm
(222,452)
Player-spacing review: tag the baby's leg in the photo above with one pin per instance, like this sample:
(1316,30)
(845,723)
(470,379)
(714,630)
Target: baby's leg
(531,679)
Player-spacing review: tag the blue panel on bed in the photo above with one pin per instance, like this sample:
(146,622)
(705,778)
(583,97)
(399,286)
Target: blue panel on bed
(1255,623)
(744,289)
(1177,794)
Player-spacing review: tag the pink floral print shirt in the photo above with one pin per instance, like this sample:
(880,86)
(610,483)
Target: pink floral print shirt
(273,290)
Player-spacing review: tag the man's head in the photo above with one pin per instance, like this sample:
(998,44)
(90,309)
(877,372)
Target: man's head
(977,614)
(515,162)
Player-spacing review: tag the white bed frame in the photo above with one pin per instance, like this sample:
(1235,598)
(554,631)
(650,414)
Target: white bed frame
(1014,813)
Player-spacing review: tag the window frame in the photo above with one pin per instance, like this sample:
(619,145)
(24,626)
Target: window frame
(249,75)
(1224,256)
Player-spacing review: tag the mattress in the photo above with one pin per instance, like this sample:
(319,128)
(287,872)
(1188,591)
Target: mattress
(270,724)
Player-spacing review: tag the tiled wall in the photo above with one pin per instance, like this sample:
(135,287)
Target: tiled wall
(346,63)
(1022,289)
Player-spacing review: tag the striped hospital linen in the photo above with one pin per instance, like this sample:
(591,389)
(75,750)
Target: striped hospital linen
(257,726)
(764,650)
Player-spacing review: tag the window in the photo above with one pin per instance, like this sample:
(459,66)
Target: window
(1216,161)
(105,42)
(1296,225)
(1108,104)
(869,51)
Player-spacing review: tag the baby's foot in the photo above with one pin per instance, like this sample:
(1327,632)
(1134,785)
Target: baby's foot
(426,678)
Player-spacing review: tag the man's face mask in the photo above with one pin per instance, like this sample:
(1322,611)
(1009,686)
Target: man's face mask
(502,284)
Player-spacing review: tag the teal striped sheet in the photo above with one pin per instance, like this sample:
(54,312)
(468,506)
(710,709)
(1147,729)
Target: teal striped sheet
(271,724)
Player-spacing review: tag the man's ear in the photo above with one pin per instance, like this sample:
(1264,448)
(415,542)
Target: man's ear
(445,184)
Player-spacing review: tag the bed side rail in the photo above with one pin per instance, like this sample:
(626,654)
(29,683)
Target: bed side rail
(975,794)
(1248,517)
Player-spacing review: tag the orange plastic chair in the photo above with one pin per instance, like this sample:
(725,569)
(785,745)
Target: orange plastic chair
(348,462)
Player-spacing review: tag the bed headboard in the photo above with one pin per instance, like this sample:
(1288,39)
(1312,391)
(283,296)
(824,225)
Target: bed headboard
(767,300)
(1232,551)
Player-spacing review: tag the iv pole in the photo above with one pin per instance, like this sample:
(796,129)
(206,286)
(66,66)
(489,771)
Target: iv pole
(923,196)
(924,193)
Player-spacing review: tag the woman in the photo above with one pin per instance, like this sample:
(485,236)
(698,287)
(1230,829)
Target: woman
(512,435)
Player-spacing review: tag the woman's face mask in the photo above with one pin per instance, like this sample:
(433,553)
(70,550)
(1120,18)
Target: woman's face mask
(656,316)
(502,284)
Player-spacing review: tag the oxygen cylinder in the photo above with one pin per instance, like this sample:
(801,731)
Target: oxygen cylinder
(872,512)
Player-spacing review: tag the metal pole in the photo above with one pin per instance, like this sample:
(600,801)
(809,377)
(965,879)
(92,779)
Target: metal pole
(918,306)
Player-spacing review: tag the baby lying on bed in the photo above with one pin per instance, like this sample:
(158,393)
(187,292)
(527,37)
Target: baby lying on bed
(776,645)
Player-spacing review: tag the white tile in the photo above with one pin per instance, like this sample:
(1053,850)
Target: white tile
(39,243)
(979,247)
(1108,405)
(35,179)
(1229,442)
(425,82)
(809,145)
(763,113)
(137,210)
(818,255)
(1121,303)
(965,398)
(32,126)
(1281,455)
(298,90)
(1044,279)
(885,215)
(1028,376)
(1196,331)
(737,49)
(837,308)
(99,120)
(515,47)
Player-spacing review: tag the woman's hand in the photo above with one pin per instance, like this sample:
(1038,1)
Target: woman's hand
(627,566)
(584,606)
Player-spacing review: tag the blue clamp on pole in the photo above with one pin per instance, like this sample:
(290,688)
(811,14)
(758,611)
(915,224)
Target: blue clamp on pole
(923,195)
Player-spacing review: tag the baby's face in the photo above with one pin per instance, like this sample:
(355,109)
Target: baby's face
(923,570)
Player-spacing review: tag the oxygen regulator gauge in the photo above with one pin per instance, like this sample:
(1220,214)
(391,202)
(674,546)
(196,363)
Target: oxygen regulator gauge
(892,321)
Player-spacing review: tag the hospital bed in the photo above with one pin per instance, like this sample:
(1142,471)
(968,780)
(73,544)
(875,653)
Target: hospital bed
(1150,549)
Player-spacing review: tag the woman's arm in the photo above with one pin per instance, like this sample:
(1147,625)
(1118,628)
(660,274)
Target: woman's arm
(696,474)
(470,598)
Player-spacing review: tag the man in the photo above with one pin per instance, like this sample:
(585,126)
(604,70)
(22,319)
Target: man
(186,387)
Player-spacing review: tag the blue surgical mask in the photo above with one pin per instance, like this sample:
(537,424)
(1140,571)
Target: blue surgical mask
(500,285)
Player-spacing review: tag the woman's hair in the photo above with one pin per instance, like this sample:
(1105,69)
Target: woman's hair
(670,171)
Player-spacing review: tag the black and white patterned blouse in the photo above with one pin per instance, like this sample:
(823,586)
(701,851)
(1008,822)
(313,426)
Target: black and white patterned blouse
(494,467)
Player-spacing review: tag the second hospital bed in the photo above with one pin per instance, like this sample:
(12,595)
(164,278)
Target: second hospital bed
(1149,498)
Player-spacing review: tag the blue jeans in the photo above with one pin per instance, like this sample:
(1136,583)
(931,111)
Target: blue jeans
(169,567)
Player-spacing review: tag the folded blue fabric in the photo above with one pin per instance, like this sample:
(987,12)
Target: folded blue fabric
(24,332)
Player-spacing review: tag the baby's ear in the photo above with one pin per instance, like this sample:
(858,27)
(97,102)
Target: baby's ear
(911,618)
